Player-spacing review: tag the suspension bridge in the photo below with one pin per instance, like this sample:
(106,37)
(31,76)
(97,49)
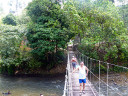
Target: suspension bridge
(96,85)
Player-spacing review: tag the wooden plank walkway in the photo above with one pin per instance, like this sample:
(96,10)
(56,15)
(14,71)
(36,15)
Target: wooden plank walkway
(89,88)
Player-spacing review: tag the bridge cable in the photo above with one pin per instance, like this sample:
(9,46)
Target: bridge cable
(99,72)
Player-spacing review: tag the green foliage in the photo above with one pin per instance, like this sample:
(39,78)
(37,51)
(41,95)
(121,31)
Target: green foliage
(119,69)
(10,42)
(88,48)
(46,40)
(0,21)
(123,10)
(111,53)
(104,35)
(47,32)
(76,17)
(33,63)
(23,18)
(98,24)
(11,69)
(10,20)
(103,69)
(3,69)
(7,69)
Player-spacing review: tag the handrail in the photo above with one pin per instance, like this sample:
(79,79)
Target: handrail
(66,79)
(68,84)
(65,85)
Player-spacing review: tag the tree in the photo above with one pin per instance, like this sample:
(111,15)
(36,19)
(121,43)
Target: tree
(9,20)
(47,30)
(124,13)
(23,18)
(102,26)
(10,42)
(76,18)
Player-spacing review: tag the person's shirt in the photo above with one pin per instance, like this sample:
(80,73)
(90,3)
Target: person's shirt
(73,59)
(82,72)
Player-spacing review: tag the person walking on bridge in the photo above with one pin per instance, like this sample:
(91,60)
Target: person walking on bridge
(74,62)
(83,73)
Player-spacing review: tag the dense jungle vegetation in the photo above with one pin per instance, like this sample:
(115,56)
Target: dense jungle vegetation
(37,38)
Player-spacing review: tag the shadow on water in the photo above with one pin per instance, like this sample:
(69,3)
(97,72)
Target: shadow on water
(32,86)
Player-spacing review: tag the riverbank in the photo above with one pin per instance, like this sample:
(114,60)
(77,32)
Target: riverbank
(54,72)
(25,69)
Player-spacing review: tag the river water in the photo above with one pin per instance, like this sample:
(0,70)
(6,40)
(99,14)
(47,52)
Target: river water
(32,86)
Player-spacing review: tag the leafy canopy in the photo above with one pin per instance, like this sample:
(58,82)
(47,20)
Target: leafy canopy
(9,20)
(48,28)
(99,27)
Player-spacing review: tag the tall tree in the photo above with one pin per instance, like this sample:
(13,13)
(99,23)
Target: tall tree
(48,29)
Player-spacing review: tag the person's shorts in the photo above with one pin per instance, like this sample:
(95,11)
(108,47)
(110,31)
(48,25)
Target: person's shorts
(74,64)
(82,80)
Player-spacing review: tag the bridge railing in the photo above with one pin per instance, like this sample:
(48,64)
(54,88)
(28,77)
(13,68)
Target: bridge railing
(68,82)
(102,75)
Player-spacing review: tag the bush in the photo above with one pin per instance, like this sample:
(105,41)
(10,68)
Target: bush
(88,50)
(3,69)
(118,69)
(34,64)
(9,20)
(103,69)
(11,69)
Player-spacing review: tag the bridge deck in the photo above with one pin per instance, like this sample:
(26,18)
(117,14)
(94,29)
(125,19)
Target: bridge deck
(89,88)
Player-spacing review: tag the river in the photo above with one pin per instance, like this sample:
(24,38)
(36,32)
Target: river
(53,86)
(32,86)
